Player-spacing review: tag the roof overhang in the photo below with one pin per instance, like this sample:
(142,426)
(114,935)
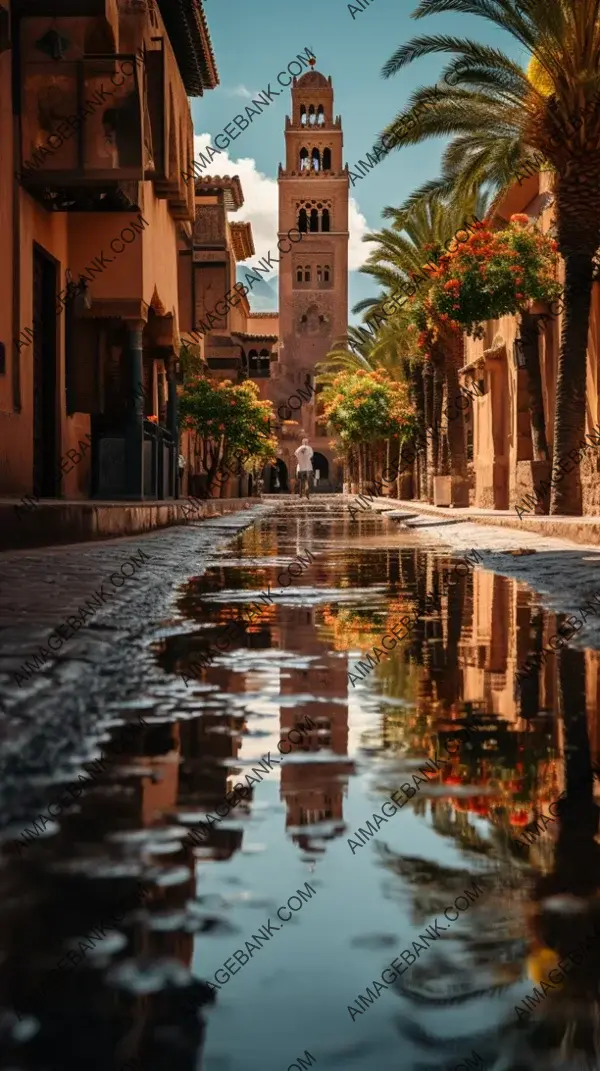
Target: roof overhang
(186,25)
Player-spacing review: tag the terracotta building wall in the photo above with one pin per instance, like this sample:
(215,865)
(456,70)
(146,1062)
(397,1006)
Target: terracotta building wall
(49,230)
(8,420)
(141,275)
(503,449)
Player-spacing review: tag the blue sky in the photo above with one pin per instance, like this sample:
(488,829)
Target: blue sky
(254,42)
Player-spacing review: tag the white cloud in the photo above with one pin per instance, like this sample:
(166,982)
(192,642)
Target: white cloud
(358,250)
(261,202)
(238,91)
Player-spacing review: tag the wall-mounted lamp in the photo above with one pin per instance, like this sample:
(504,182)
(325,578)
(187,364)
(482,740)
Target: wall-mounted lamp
(519,353)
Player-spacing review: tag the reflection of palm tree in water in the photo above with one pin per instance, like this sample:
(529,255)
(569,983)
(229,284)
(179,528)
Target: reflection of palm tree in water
(560,1033)
(568,1018)
(485,955)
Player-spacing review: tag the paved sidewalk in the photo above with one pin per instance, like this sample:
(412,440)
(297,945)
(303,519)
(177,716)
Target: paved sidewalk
(52,520)
(577,529)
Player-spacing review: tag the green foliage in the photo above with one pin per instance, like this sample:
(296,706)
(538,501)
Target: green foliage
(365,407)
(232,416)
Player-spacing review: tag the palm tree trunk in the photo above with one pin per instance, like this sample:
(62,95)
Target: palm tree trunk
(437,403)
(429,429)
(569,421)
(388,458)
(529,334)
(443,461)
(418,398)
(457,432)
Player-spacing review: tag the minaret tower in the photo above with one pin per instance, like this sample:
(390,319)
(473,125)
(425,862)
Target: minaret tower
(313,277)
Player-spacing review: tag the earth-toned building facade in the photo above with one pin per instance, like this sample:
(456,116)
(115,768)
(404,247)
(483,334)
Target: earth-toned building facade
(97,136)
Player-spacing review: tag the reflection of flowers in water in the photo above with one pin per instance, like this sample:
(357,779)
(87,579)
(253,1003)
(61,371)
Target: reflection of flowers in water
(355,627)
(351,628)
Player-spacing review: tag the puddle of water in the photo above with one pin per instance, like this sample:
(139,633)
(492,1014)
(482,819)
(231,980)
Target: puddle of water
(303,853)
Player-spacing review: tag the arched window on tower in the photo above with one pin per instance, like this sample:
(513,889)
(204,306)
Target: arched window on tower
(325,220)
(316,160)
(307,274)
(299,275)
(302,221)
(326,275)
(320,115)
(326,159)
(302,115)
(314,220)
(311,115)
(304,161)
(319,274)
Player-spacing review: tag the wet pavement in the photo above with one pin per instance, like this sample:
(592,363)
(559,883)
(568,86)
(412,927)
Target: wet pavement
(287,820)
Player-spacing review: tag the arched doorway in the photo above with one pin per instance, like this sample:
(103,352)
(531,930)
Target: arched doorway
(320,465)
(277,478)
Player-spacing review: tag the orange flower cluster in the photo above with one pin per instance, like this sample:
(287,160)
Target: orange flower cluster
(493,273)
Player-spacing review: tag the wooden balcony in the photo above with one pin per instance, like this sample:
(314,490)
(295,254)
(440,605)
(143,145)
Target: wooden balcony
(91,125)
(78,128)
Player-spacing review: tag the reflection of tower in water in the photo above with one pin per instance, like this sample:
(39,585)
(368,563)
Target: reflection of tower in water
(314,790)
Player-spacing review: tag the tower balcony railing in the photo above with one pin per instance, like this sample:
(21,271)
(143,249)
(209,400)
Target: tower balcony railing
(306,173)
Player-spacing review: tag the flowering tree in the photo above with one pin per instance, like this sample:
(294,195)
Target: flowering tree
(364,406)
(493,274)
(489,275)
(231,422)
(367,407)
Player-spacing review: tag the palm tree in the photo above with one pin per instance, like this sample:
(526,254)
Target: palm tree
(504,117)
(348,355)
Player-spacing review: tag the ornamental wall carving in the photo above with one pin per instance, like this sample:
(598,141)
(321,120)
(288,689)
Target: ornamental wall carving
(209,226)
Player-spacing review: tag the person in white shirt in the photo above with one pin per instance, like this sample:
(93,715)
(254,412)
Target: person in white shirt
(304,456)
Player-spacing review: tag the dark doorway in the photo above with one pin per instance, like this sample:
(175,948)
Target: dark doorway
(320,464)
(278,478)
(45,453)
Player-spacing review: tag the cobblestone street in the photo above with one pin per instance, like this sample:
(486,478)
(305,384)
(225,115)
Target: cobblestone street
(50,712)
